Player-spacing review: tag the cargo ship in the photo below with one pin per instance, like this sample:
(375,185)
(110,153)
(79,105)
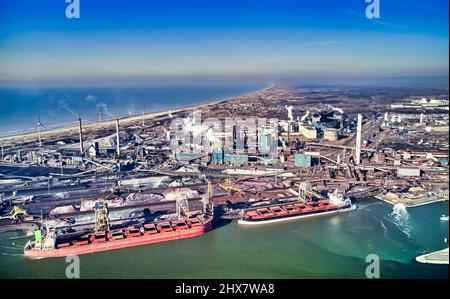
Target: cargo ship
(335,203)
(183,224)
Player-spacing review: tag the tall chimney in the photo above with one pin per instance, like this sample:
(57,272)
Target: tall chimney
(358,139)
(81,137)
(118,140)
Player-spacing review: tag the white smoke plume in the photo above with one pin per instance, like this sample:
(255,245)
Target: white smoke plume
(304,116)
(289,109)
(91,98)
(336,109)
(102,107)
(62,103)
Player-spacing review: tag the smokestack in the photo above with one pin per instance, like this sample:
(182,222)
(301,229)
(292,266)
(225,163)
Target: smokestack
(81,137)
(358,140)
(118,140)
(421,118)
(289,133)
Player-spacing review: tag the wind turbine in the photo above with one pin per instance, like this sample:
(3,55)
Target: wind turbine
(38,128)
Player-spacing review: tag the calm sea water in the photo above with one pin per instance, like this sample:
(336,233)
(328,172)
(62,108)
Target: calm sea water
(327,247)
(20,108)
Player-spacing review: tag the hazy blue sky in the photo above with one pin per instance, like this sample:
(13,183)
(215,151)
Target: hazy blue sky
(243,38)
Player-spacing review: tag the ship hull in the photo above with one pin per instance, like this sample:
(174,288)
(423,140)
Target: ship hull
(118,244)
(244,221)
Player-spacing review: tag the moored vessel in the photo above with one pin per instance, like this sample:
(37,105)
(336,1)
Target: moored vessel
(183,224)
(336,203)
(52,246)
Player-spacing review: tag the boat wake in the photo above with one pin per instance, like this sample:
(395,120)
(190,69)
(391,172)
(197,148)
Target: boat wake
(399,211)
(400,218)
(383,226)
(11,254)
(12,248)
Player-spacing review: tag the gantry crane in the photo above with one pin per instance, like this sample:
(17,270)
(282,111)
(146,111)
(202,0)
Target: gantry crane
(208,205)
(305,190)
(183,207)
(101,216)
(229,186)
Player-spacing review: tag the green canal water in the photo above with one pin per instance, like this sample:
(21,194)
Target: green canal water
(327,247)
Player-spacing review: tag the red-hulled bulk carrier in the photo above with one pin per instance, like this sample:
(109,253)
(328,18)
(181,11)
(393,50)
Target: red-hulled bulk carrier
(336,203)
(134,236)
(103,238)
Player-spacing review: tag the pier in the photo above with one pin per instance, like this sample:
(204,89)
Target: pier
(438,257)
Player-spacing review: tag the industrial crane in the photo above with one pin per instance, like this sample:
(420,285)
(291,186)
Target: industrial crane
(305,190)
(16,214)
(229,186)
(101,216)
(183,207)
(208,205)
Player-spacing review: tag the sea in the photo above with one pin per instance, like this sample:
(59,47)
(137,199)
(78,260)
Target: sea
(21,108)
(338,246)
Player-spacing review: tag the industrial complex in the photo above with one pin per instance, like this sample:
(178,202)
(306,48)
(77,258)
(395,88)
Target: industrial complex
(280,153)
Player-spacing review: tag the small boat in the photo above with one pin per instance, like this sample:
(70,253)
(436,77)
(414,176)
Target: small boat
(444,218)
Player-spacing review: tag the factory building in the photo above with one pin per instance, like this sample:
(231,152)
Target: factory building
(265,143)
(217,156)
(423,104)
(189,157)
(408,172)
(379,158)
(340,119)
(302,160)
(316,118)
(308,131)
(94,149)
(331,134)
(235,159)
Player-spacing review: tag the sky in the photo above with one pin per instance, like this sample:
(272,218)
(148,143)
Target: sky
(197,39)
